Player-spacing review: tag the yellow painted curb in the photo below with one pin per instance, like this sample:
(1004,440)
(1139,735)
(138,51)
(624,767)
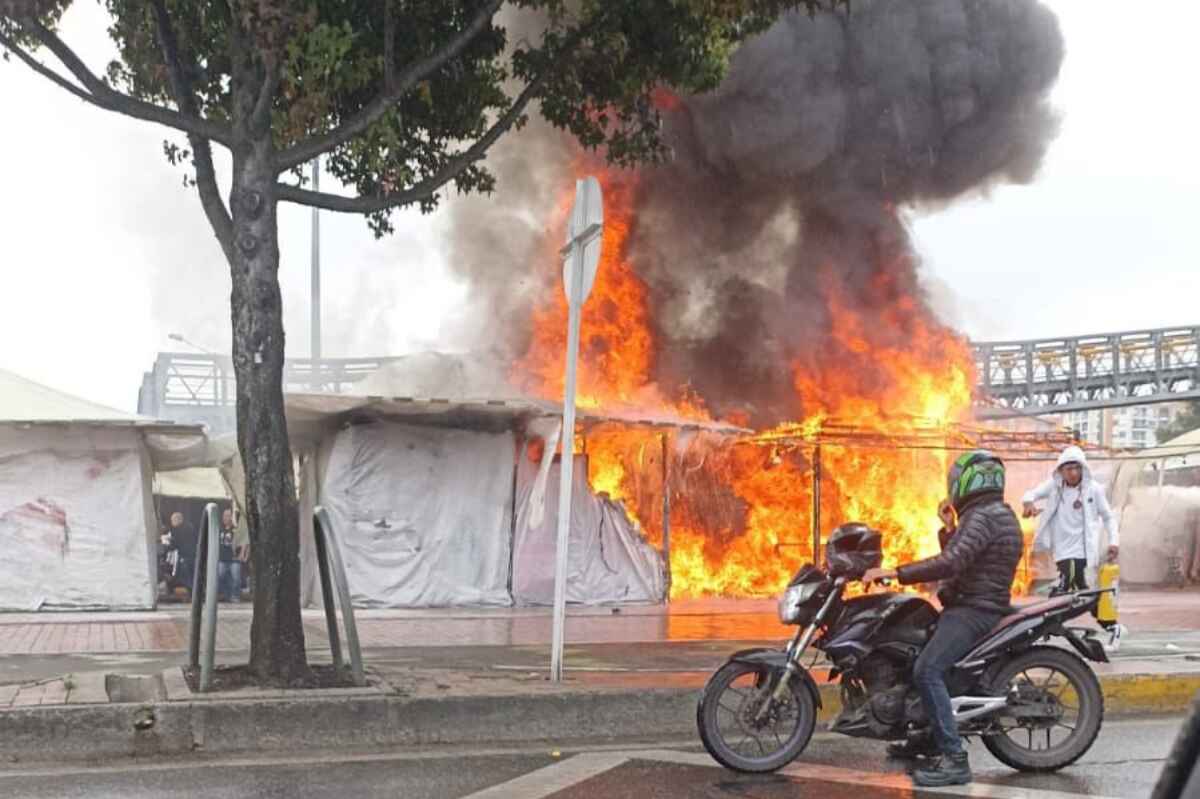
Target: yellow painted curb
(1149,693)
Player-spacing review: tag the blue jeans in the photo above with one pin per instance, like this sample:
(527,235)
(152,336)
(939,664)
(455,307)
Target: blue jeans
(958,630)
(229,580)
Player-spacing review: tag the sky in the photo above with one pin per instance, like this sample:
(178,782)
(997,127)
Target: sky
(104,252)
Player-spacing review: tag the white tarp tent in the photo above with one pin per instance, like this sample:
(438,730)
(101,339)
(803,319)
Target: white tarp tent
(608,559)
(77,525)
(423,513)
(419,472)
(425,516)
(1159,519)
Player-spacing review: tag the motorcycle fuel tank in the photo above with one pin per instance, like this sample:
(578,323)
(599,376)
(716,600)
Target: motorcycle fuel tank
(868,621)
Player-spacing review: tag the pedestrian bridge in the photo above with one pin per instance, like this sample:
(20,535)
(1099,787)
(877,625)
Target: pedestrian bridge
(1052,375)
(1059,375)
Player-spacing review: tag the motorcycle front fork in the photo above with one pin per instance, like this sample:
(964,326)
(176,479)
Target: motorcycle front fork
(796,649)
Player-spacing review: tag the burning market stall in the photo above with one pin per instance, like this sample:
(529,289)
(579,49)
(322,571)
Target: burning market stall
(746,511)
(77,521)
(442,501)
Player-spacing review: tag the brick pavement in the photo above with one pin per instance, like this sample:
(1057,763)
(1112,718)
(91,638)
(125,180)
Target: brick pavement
(166,630)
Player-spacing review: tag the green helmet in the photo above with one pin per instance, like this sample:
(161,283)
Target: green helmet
(972,474)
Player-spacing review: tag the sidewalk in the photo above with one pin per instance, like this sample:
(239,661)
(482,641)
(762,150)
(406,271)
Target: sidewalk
(1144,612)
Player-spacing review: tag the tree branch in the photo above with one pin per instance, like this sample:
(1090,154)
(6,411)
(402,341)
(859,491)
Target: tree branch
(426,188)
(210,195)
(185,98)
(413,74)
(181,87)
(45,71)
(100,94)
(260,118)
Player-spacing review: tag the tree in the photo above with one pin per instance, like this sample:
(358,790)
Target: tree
(403,98)
(1186,421)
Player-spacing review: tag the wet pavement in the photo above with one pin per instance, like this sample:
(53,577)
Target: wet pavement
(648,664)
(1149,615)
(1124,762)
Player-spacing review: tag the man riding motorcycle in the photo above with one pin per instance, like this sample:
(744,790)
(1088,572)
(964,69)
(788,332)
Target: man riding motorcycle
(981,548)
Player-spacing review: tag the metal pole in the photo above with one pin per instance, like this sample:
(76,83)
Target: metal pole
(566,466)
(198,584)
(316,281)
(209,648)
(666,510)
(816,505)
(331,625)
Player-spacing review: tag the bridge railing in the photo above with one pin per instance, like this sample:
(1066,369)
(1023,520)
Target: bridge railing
(1091,371)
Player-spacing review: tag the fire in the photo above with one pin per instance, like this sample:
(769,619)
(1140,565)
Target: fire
(741,511)
(615,348)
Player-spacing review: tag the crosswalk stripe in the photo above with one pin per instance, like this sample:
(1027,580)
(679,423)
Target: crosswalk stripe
(552,779)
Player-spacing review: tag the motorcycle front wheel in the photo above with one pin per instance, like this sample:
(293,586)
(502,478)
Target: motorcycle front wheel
(1055,710)
(744,728)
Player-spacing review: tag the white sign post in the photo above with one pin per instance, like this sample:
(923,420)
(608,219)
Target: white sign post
(581,256)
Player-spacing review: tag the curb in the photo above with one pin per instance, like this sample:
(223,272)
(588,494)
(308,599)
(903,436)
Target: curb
(65,733)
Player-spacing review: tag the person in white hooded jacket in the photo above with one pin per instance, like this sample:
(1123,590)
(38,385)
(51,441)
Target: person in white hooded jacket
(1073,507)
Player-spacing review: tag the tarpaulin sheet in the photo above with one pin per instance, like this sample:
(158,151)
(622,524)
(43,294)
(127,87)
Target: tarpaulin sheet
(423,514)
(1158,522)
(608,559)
(198,482)
(74,531)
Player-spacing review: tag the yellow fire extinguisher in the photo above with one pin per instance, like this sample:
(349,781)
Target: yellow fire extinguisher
(1108,577)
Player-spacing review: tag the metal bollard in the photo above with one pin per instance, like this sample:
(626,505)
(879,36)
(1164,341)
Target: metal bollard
(329,561)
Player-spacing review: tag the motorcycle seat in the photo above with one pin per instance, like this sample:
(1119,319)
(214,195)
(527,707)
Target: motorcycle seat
(1033,609)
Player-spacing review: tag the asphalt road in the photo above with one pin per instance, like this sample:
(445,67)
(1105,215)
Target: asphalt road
(1124,762)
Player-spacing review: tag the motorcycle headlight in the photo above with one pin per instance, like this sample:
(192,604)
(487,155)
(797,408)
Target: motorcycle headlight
(793,598)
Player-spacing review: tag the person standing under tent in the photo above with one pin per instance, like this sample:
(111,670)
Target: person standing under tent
(229,568)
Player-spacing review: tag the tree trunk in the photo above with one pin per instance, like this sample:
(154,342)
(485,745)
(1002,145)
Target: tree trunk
(276,634)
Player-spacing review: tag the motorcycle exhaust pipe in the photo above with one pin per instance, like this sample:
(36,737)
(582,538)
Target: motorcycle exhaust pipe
(970,707)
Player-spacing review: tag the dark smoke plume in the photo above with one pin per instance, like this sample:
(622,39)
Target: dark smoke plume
(788,183)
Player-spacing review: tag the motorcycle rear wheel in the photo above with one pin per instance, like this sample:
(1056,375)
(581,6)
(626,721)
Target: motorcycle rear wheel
(729,704)
(1059,682)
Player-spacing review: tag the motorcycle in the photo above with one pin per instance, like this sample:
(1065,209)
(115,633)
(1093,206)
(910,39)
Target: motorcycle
(1035,705)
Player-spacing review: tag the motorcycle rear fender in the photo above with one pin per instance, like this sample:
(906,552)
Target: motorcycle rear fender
(1026,632)
(1084,644)
(775,660)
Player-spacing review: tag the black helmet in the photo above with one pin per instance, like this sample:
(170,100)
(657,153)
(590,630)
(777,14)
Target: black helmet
(852,549)
(973,474)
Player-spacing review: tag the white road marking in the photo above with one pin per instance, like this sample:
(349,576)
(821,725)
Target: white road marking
(555,778)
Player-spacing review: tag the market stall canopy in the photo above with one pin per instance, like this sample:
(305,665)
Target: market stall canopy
(198,482)
(26,404)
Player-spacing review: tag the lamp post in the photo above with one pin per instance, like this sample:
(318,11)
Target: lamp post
(315,298)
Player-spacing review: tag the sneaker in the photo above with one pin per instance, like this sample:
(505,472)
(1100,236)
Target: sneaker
(911,749)
(944,770)
(1114,638)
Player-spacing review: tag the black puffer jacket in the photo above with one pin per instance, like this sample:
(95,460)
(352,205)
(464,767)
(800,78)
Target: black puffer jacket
(979,560)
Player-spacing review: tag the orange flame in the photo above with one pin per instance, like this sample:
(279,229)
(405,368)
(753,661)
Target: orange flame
(741,515)
(615,348)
